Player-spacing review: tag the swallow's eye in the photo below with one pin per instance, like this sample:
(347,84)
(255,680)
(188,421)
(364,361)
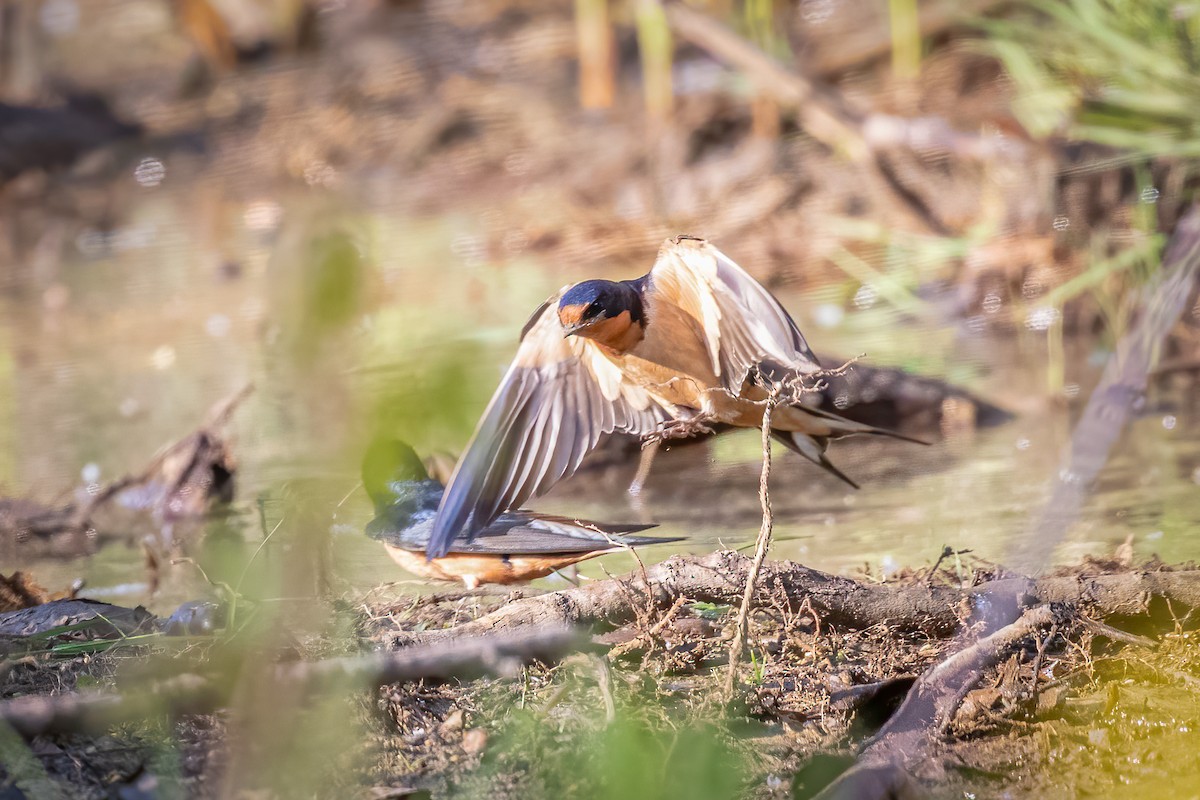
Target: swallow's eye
(592,311)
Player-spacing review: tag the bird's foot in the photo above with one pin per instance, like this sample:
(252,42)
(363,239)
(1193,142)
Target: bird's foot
(678,429)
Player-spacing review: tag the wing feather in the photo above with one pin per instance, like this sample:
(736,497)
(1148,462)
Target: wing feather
(745,326)
(555,402)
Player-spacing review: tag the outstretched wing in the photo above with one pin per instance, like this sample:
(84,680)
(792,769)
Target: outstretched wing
(556,400)
(745,327)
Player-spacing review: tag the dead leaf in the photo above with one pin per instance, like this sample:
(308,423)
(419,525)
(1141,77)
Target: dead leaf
(20,590)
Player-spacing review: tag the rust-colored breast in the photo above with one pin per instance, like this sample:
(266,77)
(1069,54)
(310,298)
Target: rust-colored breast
(474,569)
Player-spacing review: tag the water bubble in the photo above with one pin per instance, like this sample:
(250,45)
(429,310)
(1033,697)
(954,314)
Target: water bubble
(866,296)
(1023,444)
(991,303)
(318,173)
(1071,390)
(1041,319)
(1061,223)
(1150,194)
(469,248)
(90,472)
(828,315)
(92,243)
(262,215)
(1154,536)
(841,401)
(128,407)
(163,357)
(888,566)
(517,163)
(1070,477)
(134,237)
(56,297)
(515,241)
(253,309)
(150,172)
(217,325)
(59,17)
(1168,422)
(815,12)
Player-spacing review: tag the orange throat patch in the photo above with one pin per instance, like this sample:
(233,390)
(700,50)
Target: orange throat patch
(620,333)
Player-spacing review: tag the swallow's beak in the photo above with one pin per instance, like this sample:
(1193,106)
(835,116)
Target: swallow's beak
(570,330)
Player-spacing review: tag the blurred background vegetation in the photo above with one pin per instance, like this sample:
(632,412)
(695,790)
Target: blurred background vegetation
(355,204)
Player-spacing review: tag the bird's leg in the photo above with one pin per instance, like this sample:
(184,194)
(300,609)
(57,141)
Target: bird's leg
(649,451)
(680,429)
(570,574)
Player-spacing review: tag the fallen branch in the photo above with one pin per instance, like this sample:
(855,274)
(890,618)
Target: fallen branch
(721,578)
(184,476)
(882,765)
(906,737)
(86,712)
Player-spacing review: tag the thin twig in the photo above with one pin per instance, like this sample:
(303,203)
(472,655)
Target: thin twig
(604,681)
(1116,634)
(760,551)
(96,711)
(1037,659)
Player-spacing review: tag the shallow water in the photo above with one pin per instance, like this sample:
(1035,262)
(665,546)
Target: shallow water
(116,341)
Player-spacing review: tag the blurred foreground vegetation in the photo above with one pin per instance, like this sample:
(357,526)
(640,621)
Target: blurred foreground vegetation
(1002,170)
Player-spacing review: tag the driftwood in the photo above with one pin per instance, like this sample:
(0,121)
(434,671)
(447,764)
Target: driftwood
(881,770)
(1121,388)
(179,482)
(87,712)
(721,578)
(43,617)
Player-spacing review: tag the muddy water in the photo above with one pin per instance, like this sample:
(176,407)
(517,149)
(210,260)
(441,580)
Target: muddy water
(115,340)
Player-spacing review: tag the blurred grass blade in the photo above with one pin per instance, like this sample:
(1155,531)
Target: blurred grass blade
(597,54)
(654,44)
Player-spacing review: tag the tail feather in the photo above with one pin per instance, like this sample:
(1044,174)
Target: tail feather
(847,427)
(812,448)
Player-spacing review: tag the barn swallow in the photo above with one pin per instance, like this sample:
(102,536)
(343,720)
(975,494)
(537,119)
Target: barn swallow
(515,547)
(695,342)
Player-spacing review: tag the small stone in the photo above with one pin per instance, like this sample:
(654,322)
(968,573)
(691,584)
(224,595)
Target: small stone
(474,740)
(453,722)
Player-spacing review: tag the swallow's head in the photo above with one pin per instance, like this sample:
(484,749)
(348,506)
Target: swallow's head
(597,309)
(587,304)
